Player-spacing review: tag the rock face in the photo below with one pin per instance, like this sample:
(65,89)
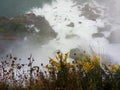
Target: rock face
(89,12)
(114,37)
(71,24)
(97,35)
(69,36)
(104,29)
(33,27)
(76,53)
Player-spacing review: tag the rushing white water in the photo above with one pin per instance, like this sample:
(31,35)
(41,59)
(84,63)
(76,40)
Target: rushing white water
(75,28)
(60,15)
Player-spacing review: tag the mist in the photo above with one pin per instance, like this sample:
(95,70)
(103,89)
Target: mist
(98,29)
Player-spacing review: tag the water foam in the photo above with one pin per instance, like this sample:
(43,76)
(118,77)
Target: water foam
(65,18)
(60,15)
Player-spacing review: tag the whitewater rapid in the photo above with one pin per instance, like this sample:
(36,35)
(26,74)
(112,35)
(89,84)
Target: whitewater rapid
(74,31)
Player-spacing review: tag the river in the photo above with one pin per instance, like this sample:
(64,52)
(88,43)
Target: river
(11,8)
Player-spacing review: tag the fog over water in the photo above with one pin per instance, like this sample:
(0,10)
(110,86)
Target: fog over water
(79,24)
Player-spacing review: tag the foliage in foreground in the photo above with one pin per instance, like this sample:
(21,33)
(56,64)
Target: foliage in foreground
(84,74)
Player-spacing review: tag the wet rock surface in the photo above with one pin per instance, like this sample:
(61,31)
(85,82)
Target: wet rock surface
(25,25)
(69,36)
(71,24)
(90,12)
(114,37)
(29,27)
(97,35)
(104,29)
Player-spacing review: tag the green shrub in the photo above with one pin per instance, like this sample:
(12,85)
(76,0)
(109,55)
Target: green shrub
(84,74)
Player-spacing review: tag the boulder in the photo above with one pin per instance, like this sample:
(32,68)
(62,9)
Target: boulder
(76,53)
(70,36)
(20,26)
(106,28)
(29,28)
(97,35)
(71,24)
(114,37)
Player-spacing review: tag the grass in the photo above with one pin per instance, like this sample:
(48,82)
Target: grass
(84,74)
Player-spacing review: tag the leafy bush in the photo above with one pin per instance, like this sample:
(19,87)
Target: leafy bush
(87,73)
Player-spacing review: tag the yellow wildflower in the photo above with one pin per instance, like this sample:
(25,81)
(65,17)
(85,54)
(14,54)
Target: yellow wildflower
(65,57)
(95,60)
(48,68)
(118,67)
(113,68)
(59,56)
(87,66)
(68,65)
(55,63)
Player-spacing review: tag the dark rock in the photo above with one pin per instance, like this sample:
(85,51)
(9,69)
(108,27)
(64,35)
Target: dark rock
(46,32)
(19,26)
(4,20)
(114,37)
(65,19)
(97,35)
(71,24)
(69,36)
(89,12)
(24,26)
(79,22)
(104,29)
